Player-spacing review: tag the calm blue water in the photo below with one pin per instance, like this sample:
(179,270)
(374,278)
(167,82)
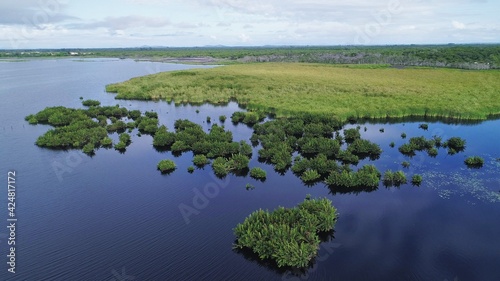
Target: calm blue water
(115,217)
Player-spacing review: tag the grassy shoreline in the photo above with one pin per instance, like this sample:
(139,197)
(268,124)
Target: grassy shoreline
(345,91)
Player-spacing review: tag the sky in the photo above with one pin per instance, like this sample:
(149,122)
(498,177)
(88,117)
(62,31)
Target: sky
(31,24)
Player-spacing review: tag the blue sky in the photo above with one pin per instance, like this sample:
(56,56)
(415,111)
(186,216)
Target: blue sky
(132,23)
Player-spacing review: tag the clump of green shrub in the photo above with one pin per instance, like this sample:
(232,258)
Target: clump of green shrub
(221,166)
(249,118)
(310,176)
(151,114)
(416,180)
(238,162)
(91,103)
(474,162)
(351,134)
(419,144)
(179,146)
(120,146)
(394,178)
(125,138)
(433,152)
(437,141)
(403,135)
(166,166)
(163,138)
(237,116)
(106,142)
(88,148)
(288,236)
(148,125)
(455,145)
(190,169)
(134,114)
(367,176)
(200,160)
(258,173)
(364,148)
(424,126)
(222,118)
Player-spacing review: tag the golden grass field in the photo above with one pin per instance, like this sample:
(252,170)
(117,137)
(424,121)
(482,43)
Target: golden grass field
(341,90)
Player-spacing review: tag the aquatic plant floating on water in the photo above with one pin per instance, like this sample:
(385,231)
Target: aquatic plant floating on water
(287,236)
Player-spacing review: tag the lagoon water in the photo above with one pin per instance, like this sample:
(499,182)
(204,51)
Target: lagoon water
(115,217)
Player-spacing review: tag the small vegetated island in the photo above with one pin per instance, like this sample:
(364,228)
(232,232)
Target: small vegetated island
(310,104)
(287,236)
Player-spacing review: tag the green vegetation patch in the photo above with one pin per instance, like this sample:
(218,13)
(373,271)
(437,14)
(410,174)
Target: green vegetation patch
(91,103)
(474,162)
(166,166)
(394,178)
(287,236)
(290,88)
(258,173)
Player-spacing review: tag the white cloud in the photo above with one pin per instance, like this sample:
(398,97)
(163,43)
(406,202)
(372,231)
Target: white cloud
(458,25)
(257,22)
(244,38)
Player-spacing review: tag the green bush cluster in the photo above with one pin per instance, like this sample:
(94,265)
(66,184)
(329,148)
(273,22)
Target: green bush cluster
(351,134)
(364,148)
(288,236)
(455,145)
(258,173)
(166,166)
(163,138)
(249,118)
(189,136)
(419,144)
(237,162)
(87,129)
(474,162)
(147,125)
(310,176)
(394,178)
(200,160)
(424,126)
(367,177)
(312,137)
(416,180)
(134,114)
(91,103)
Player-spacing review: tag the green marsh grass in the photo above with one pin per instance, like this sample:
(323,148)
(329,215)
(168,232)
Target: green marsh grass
(285,89)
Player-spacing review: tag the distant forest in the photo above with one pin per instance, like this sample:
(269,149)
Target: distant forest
(479,56)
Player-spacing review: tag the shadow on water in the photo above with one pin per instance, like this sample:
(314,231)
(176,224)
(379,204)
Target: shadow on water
(338,190)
